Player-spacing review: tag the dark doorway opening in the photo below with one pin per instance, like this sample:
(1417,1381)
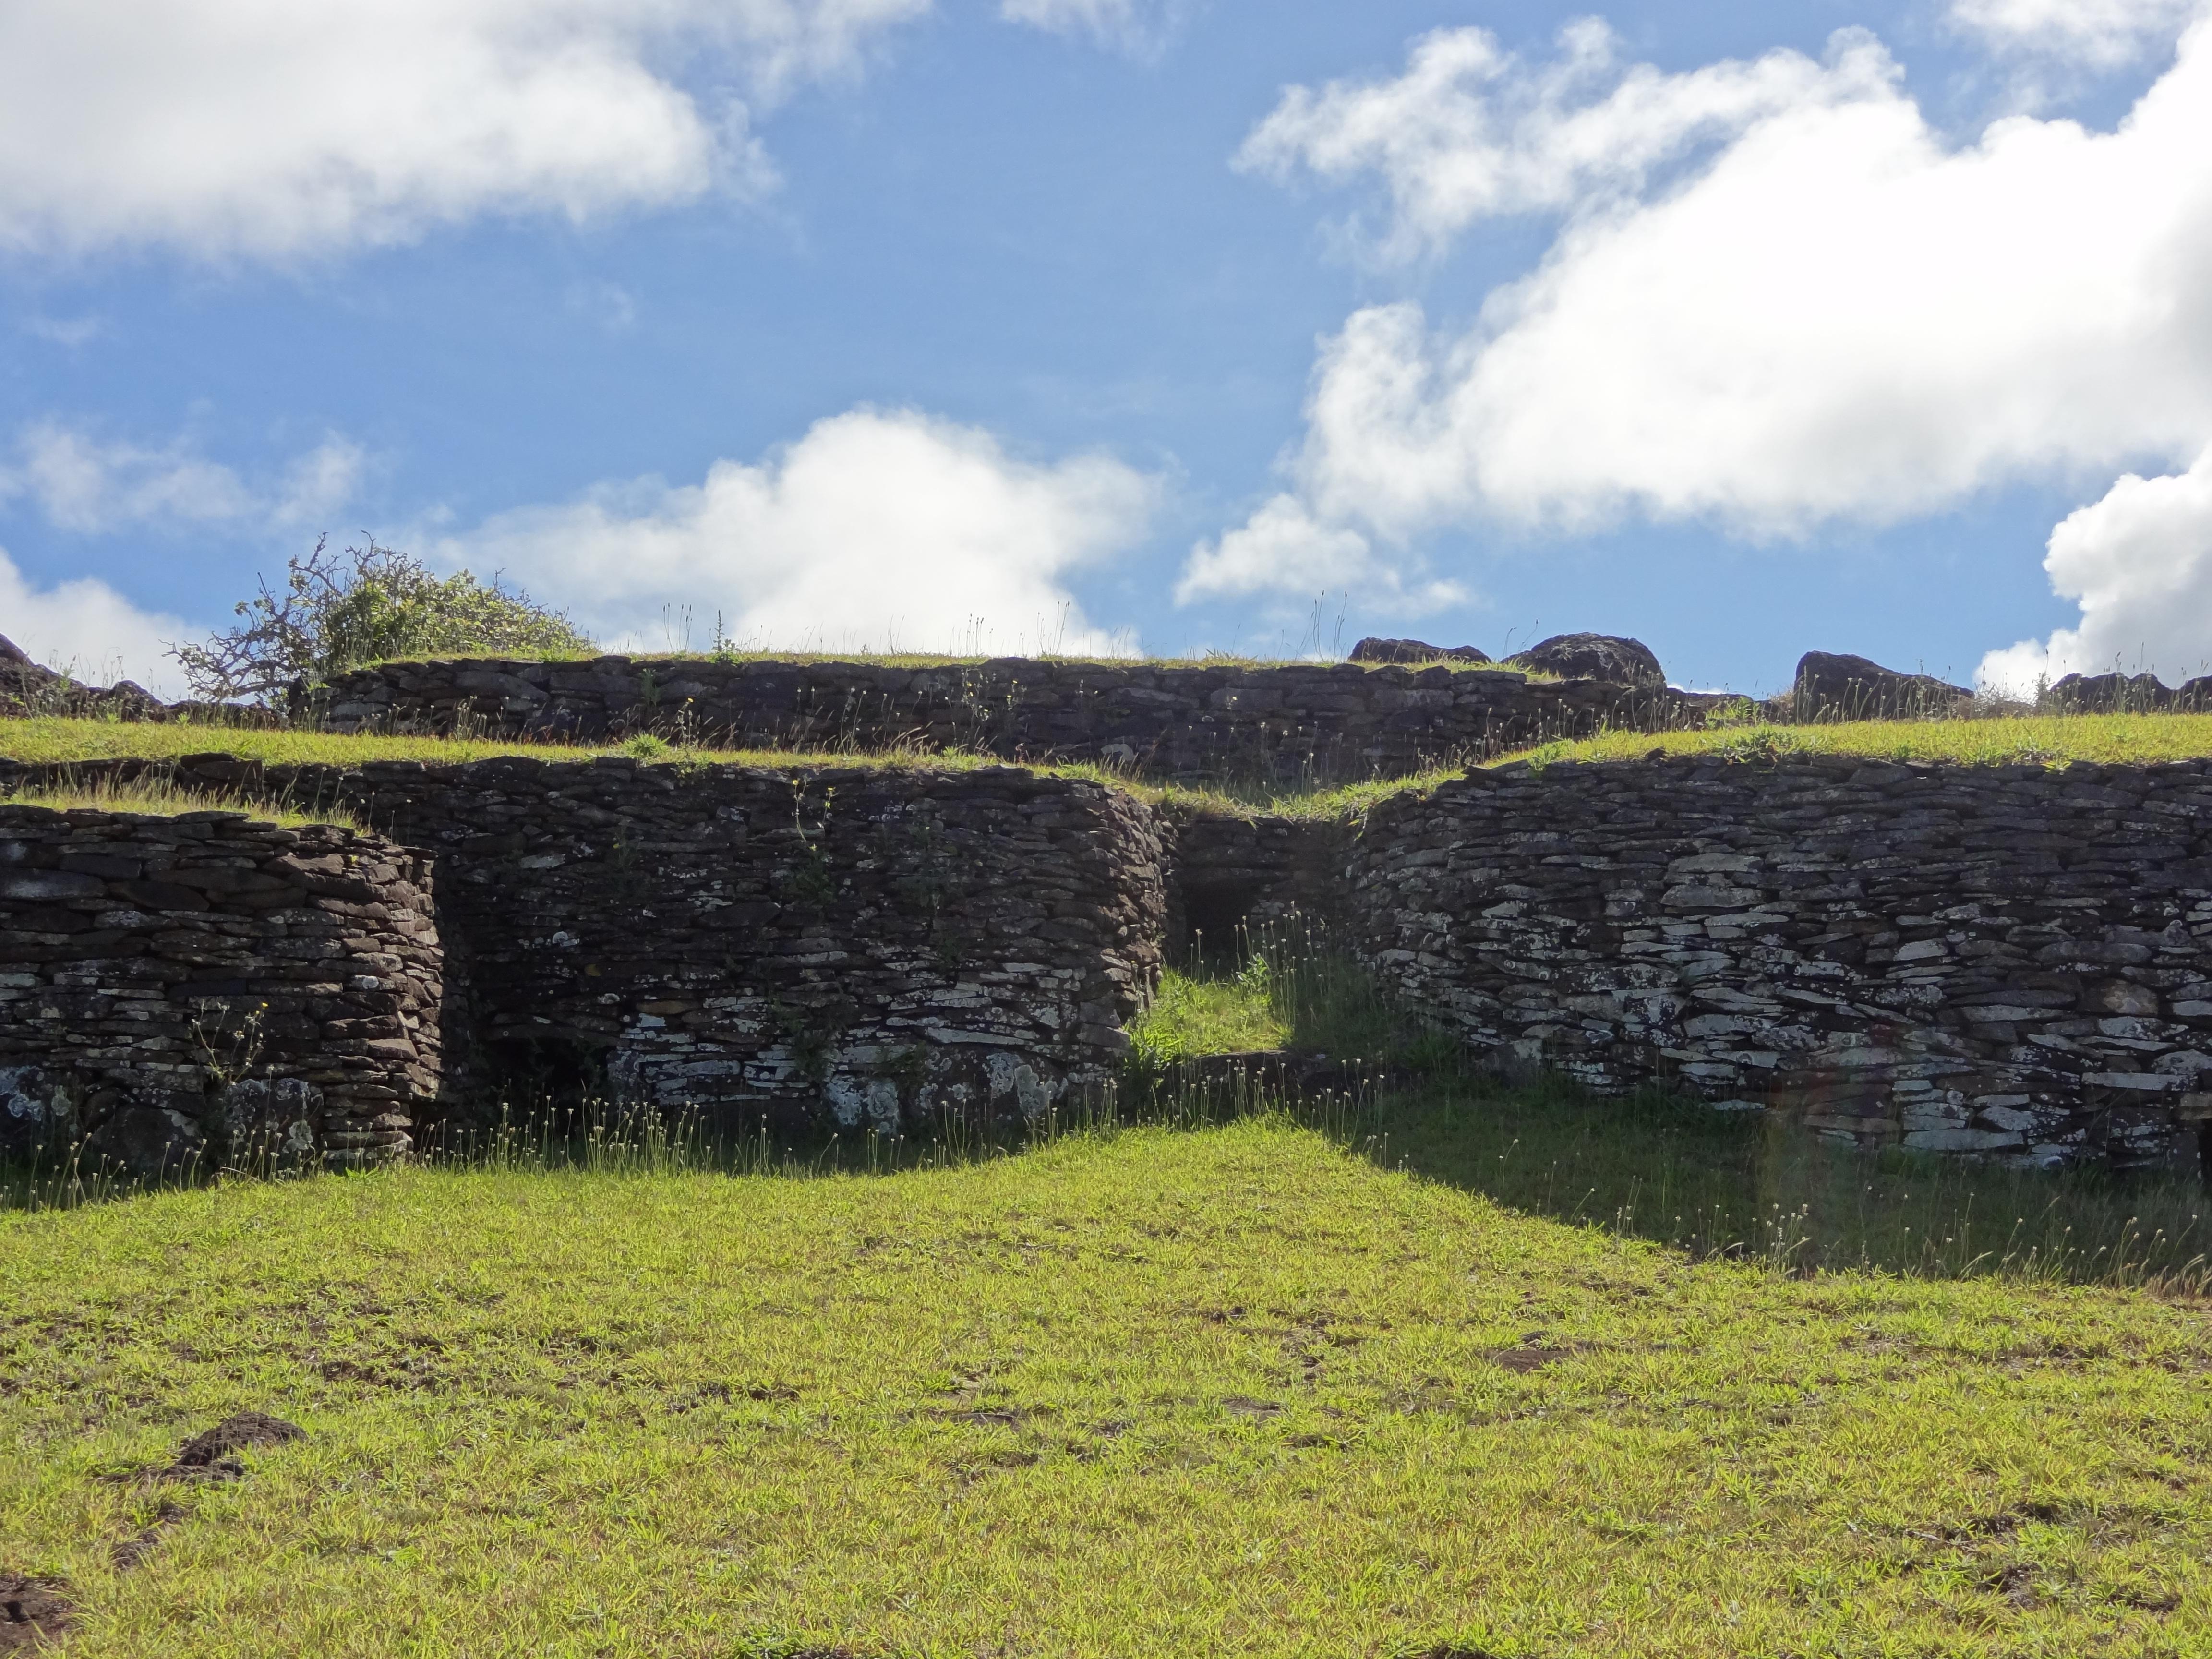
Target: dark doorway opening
(1212,913)
(530,1075)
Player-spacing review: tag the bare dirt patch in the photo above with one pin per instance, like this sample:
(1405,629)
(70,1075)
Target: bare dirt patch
(1527,1359)
(1241,1406)
(211,1455)
(34,1611)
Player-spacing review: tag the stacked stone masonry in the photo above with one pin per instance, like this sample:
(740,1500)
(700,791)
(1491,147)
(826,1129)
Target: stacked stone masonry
(894,946)
(1319,722)
(2006,961)
(207,987)
(879,946)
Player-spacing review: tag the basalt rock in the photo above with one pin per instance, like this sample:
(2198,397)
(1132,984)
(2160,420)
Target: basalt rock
(29,687)
(1833,686)
(2127,694)
(2011,962)
(1603,657)
(1205,722)
(175,991)
(1413,653)
(823,948)
(2008,960)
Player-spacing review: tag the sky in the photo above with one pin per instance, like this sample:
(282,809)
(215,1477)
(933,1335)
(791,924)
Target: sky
(1125,325)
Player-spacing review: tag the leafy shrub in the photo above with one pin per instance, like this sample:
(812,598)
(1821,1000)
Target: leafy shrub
(342,610)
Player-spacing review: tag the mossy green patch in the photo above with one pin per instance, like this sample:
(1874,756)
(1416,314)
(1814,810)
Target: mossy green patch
(2046,740)
(1190,1015)
(54,741)
(2034,739)
(1228,1393)
(158,799)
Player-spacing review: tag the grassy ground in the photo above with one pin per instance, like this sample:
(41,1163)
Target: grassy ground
(49,741)
(164,800)
(2132,739)
(950,659)
(52,740)
(2033,740)
(2039,740)
(1224,1392)
(1191,1015)
(1670,1169)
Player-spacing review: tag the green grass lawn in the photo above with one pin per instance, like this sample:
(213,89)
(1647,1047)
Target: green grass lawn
(2132,739)
(159,798)
(1664,1167)
(1192,1015)
(2036,739)
(51,740)
(1229,1392)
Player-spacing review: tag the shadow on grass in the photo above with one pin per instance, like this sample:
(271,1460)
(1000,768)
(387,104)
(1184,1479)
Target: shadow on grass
(1658,1166)
(1761,1186)
(1651,1165)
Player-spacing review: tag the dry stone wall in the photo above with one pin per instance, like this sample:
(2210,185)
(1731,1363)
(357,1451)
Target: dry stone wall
(2006,961)
(211,987)
(2011,962)
(886,945)
(877,946)
(1318,722)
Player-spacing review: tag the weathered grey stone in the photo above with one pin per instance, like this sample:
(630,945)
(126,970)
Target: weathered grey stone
(144,1033)
(2117,694)
(150,1138)
(37,1113)
(2043,1005)
(1605,658)
(1832,687)
(1178,720)
(1412,652)
(858,947)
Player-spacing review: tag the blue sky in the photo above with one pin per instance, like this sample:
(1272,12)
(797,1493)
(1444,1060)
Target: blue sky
(1108,324)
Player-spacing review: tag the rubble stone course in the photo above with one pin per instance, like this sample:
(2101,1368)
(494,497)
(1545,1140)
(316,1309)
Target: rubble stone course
(893,943)
(1318,722)
(2007,960)
(1606,657)
(212,986)
(1828,686)
(880,946)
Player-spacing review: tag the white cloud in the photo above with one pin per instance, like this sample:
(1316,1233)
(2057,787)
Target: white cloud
(1834,314)
(2139,562)
(1470,132)
(271,129)
(609,306)
(87,629)
(2094,34)
(317,485)
(1283,549)
(1134,24)
(93,486)
(884,529)
(70,332)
